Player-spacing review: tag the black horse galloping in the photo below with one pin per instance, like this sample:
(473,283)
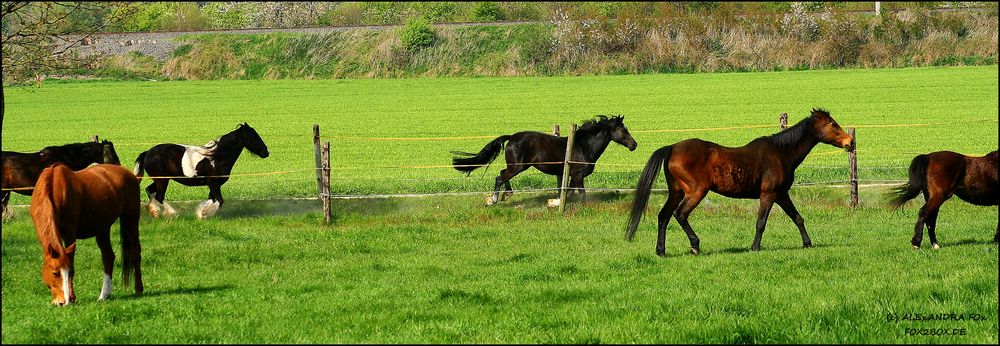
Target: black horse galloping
(21,170)
(546,152)
(192,165)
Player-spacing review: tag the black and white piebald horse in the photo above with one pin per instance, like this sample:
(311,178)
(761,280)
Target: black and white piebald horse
(193,165)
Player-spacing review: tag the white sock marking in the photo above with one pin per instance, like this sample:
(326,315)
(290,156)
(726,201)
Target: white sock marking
(106,289)
(65,284)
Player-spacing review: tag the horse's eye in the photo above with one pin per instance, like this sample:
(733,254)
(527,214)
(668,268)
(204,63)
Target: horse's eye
(56,274)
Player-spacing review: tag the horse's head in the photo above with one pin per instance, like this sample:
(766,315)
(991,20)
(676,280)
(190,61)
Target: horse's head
(619,133)
(828,131)
(111,156)
(57,273)
(252,141)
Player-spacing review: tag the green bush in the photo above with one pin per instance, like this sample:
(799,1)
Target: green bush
(436,11)
(487,11)
(416,34)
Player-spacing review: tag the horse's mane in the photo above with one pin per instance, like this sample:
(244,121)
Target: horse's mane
(599,122)
(789,137)
(48,209)
(71,146)
(225,145)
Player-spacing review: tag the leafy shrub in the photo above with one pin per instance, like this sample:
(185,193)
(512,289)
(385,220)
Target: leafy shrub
(416,34)
(487,11)
(436,11)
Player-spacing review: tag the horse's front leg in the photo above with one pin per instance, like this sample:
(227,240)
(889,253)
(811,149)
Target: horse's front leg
(108,259)
(577,185)
(996,236)
(210,206)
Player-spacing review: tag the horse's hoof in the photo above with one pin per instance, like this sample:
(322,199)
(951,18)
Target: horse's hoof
(661,252)
(491,201)
(807,245)
(935,246)
(916,247)
(552,203)
(694,251)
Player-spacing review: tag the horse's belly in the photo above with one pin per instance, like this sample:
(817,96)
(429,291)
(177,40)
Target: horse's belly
(735,181)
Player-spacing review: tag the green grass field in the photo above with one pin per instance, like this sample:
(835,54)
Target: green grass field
(449,269)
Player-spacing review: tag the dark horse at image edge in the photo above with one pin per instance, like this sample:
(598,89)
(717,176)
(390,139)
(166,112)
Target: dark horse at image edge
(942,174)
(762,169)
(21,170)
(547,152)
(192,165)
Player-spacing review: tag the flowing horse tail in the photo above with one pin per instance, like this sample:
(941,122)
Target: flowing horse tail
(129,223)
(484,157)
(138,164)
(917,183)
(644,187)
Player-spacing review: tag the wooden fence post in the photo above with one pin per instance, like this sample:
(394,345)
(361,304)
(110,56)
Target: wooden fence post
(566,166)
(325,176)
(555,130)
(319,160)
(783,120)
(852,157)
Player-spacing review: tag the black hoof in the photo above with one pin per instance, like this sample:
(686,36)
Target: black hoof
(807,245)
(661,253)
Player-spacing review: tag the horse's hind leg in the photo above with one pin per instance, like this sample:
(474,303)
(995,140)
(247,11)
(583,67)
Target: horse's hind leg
(681,214)
(157,191)
(785,202)
(154,204)
(508,191)
(504,177)
(108,258)
(663,219)
(933,207)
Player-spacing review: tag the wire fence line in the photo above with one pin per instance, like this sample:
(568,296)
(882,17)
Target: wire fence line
(521,164)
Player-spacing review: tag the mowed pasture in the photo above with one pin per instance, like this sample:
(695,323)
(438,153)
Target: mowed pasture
(450,269)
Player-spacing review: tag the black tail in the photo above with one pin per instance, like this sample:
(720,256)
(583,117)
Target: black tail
(917,183)
(644,187)
(130,246)
(484,157)
(138,164)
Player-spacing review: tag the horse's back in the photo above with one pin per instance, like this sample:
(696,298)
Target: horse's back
(20,170)
(973,179)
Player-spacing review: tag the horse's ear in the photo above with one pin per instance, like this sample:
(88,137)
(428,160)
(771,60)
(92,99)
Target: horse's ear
(71,248)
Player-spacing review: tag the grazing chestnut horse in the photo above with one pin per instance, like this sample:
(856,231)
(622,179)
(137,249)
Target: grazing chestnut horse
(68,205)
(941,174)
(21,170)
(529,149)
(763,169)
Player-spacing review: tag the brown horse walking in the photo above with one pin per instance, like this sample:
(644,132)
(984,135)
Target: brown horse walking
(941,174)
(68,205)
(763,169)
